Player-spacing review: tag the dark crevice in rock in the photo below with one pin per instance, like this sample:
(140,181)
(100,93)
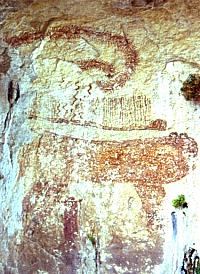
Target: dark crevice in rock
(174,224)
(190,262)
(13,97)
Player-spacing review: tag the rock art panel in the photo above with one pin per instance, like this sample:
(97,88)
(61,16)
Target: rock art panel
(51,217)
(92,206)
(120,43)
(121,113)
(81,105)
(147,164)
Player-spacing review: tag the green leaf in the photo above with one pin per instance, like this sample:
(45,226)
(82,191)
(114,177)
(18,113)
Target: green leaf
(179,201)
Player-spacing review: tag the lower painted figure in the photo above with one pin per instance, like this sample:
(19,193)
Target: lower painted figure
(93,183)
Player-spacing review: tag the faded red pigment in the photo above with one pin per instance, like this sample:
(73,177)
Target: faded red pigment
(123,44)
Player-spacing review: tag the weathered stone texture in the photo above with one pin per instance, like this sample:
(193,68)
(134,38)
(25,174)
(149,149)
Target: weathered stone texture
(100,138)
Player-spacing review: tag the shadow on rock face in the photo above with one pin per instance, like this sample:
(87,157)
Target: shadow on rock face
(4,62)
(128,7)
(31,256)
(135,257)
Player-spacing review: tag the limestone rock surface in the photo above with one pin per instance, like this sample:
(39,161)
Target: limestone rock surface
(97,138)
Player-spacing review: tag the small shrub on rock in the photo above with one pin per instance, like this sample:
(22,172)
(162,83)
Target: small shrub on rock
(191,88)
(179,202)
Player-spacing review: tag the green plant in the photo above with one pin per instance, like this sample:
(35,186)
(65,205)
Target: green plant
(179,202)
(197,268)
(197,271)
(191,88)
(92,239)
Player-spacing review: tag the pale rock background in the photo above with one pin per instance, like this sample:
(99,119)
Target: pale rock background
(68,201)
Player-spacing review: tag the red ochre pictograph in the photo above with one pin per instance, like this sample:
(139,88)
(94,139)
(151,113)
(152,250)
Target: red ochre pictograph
(123,44)
(70,220)
(130,112)
(148,164)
